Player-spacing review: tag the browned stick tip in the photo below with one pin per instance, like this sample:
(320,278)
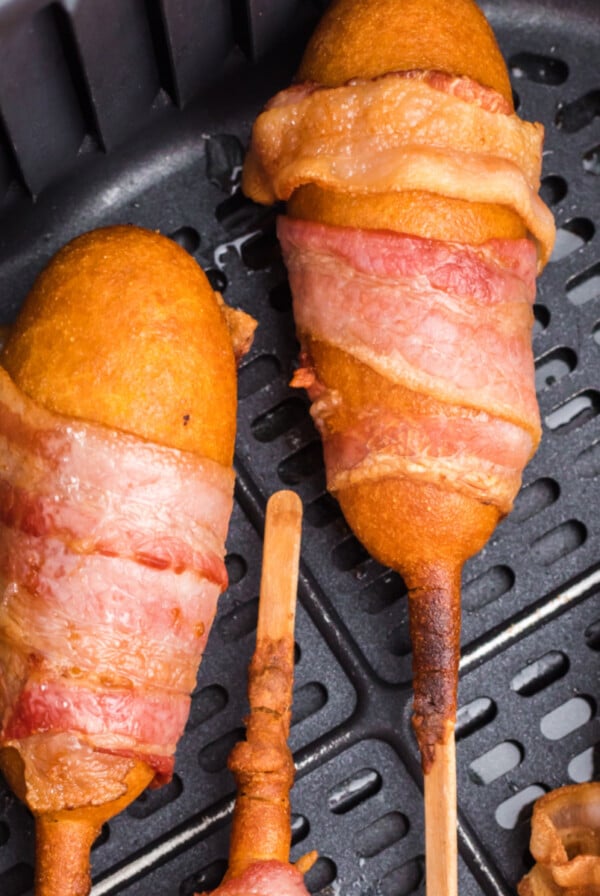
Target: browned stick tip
(441,859)
(63,855)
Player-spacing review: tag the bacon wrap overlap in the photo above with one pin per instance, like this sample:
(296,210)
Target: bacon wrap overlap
(402,131)
(449,321)
(112,560)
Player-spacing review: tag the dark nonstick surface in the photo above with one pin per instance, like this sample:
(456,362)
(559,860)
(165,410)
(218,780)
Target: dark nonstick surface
(136,112)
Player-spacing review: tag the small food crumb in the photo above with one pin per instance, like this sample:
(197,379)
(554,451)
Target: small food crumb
(186,419)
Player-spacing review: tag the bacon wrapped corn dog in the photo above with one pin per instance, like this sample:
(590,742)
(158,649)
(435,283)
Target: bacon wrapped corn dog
(413,236)
(262,764)
(117,427)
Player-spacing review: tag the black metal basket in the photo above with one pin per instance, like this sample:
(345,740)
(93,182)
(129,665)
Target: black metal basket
(117,111)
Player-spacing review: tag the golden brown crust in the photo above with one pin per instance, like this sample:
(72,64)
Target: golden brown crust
(358,39)
(123,329)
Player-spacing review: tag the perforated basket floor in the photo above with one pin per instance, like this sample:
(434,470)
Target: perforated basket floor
(531,629)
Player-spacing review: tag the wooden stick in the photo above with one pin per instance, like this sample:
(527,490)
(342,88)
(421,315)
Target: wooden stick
(262,764)
(441,862)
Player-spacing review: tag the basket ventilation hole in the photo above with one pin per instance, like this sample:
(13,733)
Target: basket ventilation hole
(551,368)
(575,412)
(380,834)
(321,875)
(596,333)
(573,117)
(16,880)
(300,828)
(487,588)
(103,837)
(581,767)
(260,251)
(398,641)
(534,498)
(206,704)
(353,791)
(213,757)
(239,621)
(152,801)
(187,238)
(591,160)
(349,554)
(592,635)
(217,279)
(516,810)
(536,676)
(238,215)
(553,189)
(280,297)
(322,511)
(538,68)
(236,568)
(302,465)
(566,718)
(584,287)
(308,700)
(541,319)
(572,236)
(403,880)
(205,880)
(382,593)
(559,542)
(496,762)
(473,716)
(224,160)
(257,374)
(275,422)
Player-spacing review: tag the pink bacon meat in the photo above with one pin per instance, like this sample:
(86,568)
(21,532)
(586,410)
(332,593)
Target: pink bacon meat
(112,561)
(449,320)
(268,878)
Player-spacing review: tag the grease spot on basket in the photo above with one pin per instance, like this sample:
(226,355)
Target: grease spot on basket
(405,879)
(473,716)
(540,673)
(539,68)
(534,498)
(151,801)
(308,700)
(566,718)
(353,791)
(380,834)
(516,810)
(559,542)
(496,762)
(574,116)
(575,412)
(256,374)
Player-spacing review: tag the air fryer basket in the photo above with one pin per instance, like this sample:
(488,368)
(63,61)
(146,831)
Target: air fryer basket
(138,111)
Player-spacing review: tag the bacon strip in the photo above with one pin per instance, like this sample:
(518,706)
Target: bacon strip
(265,879)
(450,321)
(400,132)
(111,563)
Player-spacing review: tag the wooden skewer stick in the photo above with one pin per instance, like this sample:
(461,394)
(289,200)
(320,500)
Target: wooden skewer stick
(262,764)
(441,864)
